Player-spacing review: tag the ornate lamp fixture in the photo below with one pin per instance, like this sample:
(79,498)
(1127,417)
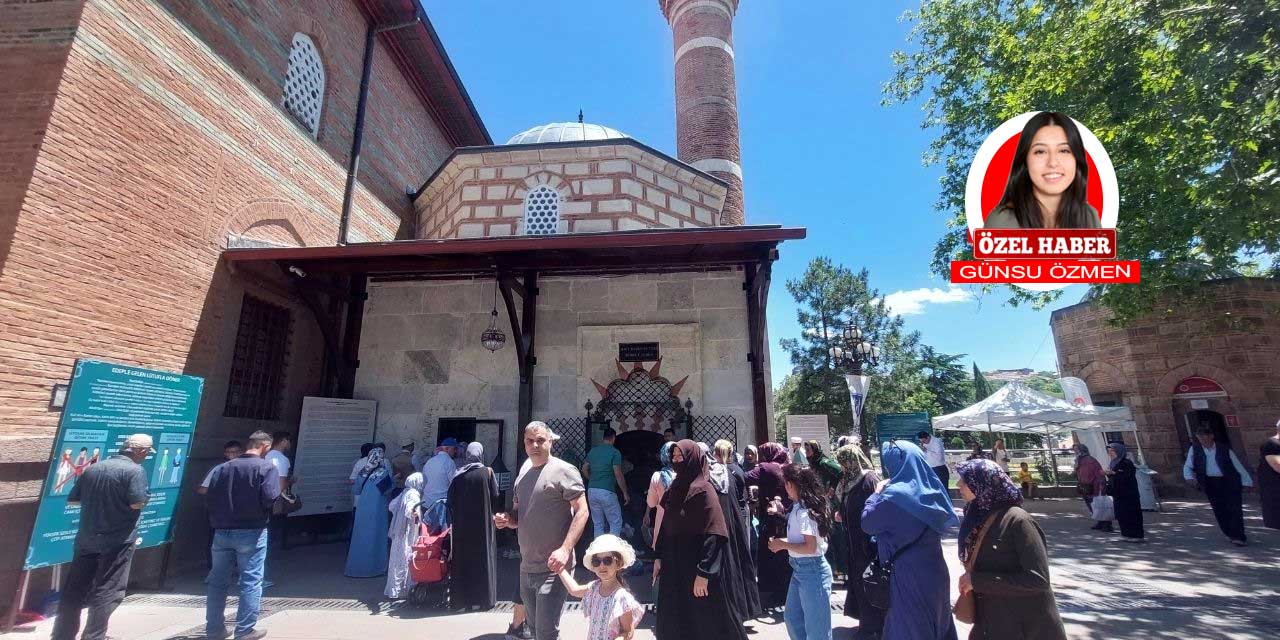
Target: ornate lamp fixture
(493,338)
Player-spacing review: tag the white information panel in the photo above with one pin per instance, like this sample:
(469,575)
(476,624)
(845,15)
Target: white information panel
(809,428)
(329,438)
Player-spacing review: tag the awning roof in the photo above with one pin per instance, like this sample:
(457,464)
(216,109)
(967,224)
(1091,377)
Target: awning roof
(1017,408)
(615,252)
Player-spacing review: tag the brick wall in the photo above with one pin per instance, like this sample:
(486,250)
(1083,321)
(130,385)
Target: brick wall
(166,136)
(603,186)
(1232,336)
(706,93)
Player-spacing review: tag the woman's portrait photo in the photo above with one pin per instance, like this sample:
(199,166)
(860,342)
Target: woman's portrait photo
(1048,180)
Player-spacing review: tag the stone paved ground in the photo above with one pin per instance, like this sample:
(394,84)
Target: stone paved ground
(1186,583)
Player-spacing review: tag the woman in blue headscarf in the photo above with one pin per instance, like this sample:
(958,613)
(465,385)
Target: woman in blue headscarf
(658,487)
(1122,486)
(908,514)
(369,551)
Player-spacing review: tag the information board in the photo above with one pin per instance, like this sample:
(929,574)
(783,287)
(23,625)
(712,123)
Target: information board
(809,428)
(329,437)
(106,403)
(901,426)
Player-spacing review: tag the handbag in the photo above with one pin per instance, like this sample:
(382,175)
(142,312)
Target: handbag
(1104,508)
(876,578)
(966,607)
(287,503)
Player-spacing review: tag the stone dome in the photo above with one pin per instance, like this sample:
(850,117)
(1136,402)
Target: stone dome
(566,132)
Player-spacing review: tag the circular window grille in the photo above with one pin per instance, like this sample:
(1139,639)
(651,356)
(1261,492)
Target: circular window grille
(304,83)
(541,211)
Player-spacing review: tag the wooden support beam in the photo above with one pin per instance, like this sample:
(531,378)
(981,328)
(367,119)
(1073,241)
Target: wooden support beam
(757,290)
(355,297)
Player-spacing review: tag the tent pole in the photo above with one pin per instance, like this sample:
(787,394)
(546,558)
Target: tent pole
(1053,459)
(1141,457)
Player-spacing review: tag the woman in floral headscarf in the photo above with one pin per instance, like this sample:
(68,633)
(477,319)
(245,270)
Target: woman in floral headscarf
(858,480)
(1006,560)
(658,487)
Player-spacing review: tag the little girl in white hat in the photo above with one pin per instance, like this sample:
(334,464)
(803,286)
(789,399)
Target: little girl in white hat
(611,611)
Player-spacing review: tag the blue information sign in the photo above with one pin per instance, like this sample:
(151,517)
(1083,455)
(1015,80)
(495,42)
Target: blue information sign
(901,426)
(106,403)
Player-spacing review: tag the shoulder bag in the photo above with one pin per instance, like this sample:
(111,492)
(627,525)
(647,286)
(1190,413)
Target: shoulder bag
(966,608)
(876,579)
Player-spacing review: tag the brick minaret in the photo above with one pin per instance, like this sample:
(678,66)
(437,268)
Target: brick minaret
(706,93)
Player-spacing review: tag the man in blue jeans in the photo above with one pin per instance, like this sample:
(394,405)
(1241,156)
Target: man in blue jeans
(603,470)
(241,493)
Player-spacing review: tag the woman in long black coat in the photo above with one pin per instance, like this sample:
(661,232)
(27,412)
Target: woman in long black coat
(692,545)
(472,495)
(740,563)
(1122,486)
(857,483)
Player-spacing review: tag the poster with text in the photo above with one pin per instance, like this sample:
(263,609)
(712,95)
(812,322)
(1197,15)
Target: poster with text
(329,437)
(106,403)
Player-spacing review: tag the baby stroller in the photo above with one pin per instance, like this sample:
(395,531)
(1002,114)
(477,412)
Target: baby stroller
(429,563)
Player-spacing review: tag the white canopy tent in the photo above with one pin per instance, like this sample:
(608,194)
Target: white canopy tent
(1017,408)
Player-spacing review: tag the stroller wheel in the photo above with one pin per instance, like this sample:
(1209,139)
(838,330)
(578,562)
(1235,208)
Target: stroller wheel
(434,596)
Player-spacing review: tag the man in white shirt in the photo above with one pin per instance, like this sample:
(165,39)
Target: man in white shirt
(935,455)
(437,473)
(797,453)
(282,441)
(1215,470)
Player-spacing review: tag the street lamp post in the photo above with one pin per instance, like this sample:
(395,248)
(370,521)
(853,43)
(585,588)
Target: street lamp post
(851,355)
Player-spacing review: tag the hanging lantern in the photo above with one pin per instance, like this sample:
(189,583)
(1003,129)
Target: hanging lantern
(493,338)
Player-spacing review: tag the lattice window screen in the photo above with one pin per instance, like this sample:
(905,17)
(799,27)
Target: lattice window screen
(541,211)
(304,83)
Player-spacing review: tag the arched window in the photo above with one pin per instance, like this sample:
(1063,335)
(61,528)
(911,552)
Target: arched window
(541,211)
(304,83)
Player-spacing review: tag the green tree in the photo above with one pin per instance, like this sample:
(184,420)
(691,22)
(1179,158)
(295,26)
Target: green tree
(981,388)
(947,381)
(829,298)
(1184,94)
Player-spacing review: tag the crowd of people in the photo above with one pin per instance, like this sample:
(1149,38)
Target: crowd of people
(732,537)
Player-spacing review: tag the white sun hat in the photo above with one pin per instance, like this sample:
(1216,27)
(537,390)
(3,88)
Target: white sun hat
(609,543)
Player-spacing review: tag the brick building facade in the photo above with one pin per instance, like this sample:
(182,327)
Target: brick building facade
(1175,371)
(140,139)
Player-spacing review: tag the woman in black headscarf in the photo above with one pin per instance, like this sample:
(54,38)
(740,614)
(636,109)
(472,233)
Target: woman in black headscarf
(691,548)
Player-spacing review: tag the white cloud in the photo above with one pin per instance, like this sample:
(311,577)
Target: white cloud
(911,303)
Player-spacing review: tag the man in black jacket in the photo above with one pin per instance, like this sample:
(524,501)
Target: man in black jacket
(111,495)
(241,494)
(1215,470)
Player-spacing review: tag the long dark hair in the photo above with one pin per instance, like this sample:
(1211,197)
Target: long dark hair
(812,495)
(1019,194)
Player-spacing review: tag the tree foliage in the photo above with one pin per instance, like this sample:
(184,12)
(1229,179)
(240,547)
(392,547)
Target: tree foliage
(1184,94)
(829,298)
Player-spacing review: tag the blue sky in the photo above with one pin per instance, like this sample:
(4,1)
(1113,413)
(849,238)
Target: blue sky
(819,151)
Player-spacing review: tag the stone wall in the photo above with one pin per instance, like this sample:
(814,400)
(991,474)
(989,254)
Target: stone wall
(610,185)
(1233,337)
(421,357)
(159,134)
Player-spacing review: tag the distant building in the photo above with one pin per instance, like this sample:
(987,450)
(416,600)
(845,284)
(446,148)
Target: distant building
(1215,366)
(1008,375)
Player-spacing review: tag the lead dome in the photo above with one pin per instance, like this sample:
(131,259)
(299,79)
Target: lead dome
(566,132)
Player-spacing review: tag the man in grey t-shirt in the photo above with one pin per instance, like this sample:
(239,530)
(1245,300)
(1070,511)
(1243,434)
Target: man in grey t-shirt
(550,515)
(111,495)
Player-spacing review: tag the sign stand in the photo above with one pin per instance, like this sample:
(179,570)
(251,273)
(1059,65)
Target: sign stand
(19,597)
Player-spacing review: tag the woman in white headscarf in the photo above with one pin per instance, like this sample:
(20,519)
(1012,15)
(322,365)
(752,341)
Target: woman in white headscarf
(403,531)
